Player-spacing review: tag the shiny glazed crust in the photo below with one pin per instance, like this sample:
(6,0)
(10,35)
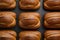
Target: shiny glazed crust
(7,35)
(7,19)
(9,4)
(52,35)
(52,20)
(29,20)
(52,4)
(29,4)
(29,35)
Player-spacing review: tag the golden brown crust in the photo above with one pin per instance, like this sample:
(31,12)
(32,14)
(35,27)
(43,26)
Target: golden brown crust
(29,35)
(7,4)
(52,35)
(29,4)
(8,13)
(29,20)
(52,4)
(52,20)
(7,19)
(7,35)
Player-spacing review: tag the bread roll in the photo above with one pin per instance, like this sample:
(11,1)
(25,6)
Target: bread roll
(7,4)
(52,20)
(7,19)
(29,35)
(29,20)
(7,35)
(52,35)
(52,4)
(29,4)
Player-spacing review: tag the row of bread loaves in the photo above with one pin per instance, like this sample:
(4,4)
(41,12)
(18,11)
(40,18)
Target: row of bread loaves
(29,35)
(29,20)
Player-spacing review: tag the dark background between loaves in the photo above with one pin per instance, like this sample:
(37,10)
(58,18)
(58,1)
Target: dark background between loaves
(18,11)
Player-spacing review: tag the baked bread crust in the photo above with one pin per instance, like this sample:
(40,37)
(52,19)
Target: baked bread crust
(7,19)
(29,35)
(52,20)
(52,4)
(29,20)
(29,4)
(7,4)
(7,35)
(52,35)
